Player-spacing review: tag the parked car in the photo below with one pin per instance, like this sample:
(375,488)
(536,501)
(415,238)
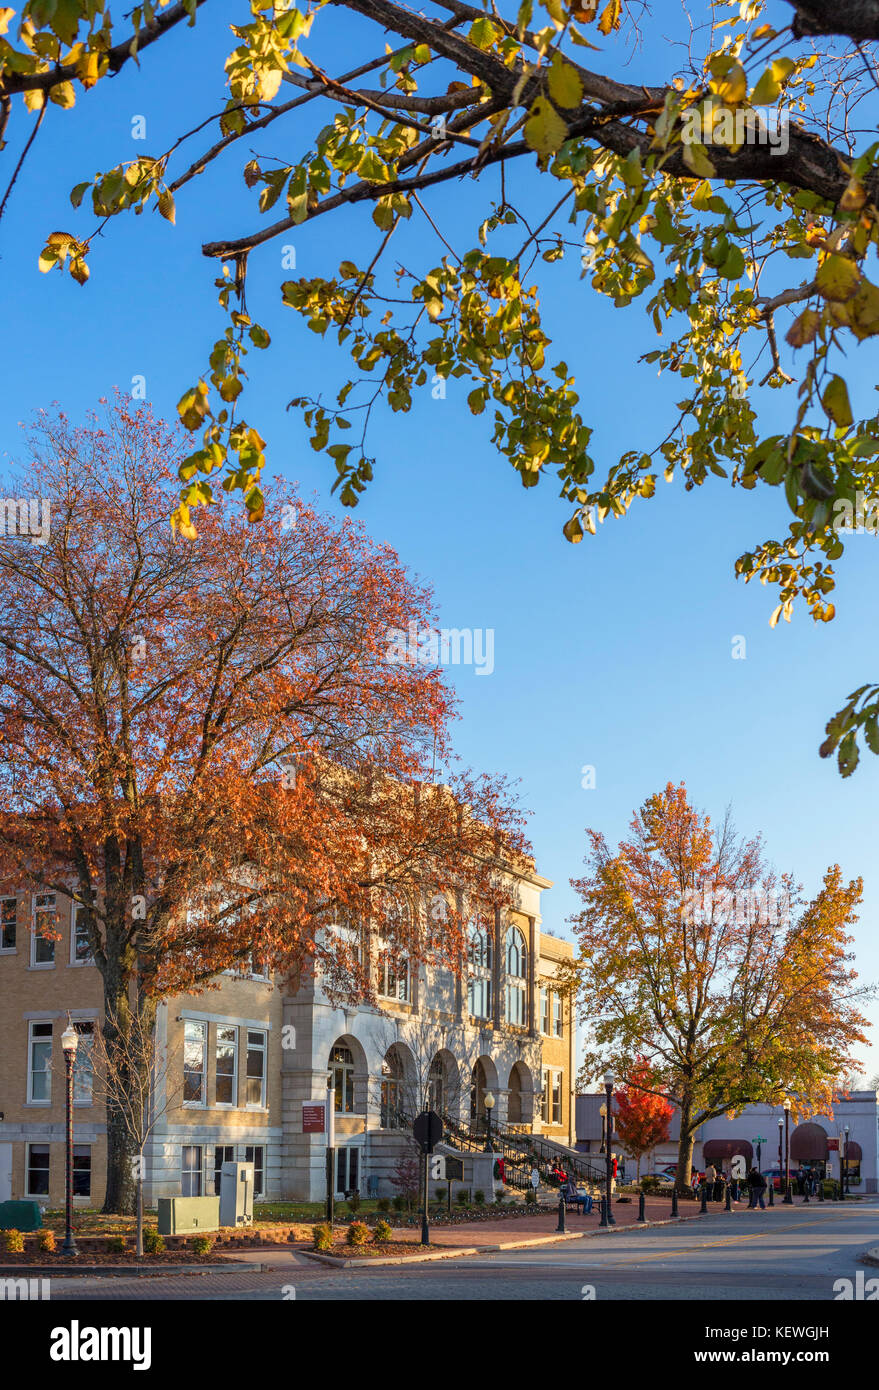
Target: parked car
(776,1177)
(661,1176)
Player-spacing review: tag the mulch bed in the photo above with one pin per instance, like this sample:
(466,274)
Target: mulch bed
(393,1248)
(68,1263)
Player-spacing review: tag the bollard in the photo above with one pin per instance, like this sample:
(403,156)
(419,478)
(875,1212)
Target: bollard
(603,1210)
(821,1190)
(674,1201)
(788,1195)
(703,1209)
(805,1193)
(728,1203)
(562,1228)
(772,1192)
(641,1216)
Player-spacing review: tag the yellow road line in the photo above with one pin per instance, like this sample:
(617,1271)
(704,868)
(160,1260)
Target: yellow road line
(729,1240)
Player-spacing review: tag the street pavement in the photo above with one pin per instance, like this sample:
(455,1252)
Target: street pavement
(787,1253)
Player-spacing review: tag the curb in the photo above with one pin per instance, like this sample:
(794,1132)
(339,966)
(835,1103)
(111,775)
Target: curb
(341,1263)
(870,1257)
(120,1271)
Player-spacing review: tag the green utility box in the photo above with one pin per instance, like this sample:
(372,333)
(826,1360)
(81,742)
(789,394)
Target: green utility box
(20,1216)
(182,1215)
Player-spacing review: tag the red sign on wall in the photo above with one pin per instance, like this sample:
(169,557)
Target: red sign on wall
(313,1118)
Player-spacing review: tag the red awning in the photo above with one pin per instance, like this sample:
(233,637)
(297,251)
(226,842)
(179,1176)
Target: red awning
(809,1143)
(727,1149)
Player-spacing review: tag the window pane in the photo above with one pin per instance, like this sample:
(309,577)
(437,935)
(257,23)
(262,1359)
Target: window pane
(82,1170)
(226,1065)
(38,1170)
(8,923)
(194,1037)
(83,1069)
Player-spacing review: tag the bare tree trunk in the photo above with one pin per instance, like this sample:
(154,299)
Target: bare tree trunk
(685,1146)
(120,1195)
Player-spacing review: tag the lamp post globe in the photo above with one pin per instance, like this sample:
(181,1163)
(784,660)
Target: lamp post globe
(488,1102)
(69,1044)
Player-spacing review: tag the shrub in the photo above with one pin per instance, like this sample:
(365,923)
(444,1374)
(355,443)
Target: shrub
(116,1244)
(153,1243)
(357,1233)
(530,1196)
(479,1197)
(500,1198)
(322,1236)
(649,1184)
(354,1203)
(202,1245)
(46,1241)
(399,1202)
(13,1242)
(461,1197)
(382,1233)
(383,1204)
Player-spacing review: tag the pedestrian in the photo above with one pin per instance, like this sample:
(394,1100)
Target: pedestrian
(710,1180)
(756,1186)
(718,1186)
(734,1186)
(801,1180)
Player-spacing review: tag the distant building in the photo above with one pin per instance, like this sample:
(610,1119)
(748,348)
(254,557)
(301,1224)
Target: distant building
(817,1143)
(250,1053)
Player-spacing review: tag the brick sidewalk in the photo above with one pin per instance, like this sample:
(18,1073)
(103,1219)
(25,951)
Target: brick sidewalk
(545,1222)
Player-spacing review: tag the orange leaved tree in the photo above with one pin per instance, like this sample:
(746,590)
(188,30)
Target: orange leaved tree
(696,958)
(213,744)
(642,1113)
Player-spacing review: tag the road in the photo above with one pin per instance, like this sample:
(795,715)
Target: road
(792,1254)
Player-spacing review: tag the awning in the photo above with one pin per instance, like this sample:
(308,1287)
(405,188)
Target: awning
(808,1143)
(727,1149)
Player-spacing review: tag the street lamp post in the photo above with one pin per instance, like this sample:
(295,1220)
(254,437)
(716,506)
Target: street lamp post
(69,1043)
(488,1102)
(609,1218)
(780,1163)
(331,1147)
(845,1187)
(788,1199)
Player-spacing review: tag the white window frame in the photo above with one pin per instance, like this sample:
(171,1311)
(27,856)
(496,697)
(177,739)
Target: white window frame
(83,1196)
(558,1015)
(516,986)
(201,1103)
(233,1103)
(545,1010)
(257,1168)
(85,1028)
(35,937)
(480,972)
(36,1196)
(556,1082)
(75,909)
(47,1071)
(13,949)
(264,1049)
(216,1168)
(199,1149)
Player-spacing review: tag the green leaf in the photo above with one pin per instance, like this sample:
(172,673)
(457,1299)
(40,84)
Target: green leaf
(545,131)
(836,402)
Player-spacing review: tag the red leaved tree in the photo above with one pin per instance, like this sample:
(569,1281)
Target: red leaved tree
(210,743)
(642,1116)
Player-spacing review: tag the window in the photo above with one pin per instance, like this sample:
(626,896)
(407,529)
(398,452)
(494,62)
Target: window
(38,1170)
(347,1168)
(393,976)
(83,1067)
(80,949)
(545,1096)
(8,923)
(342,1069)
(392,1092)
(436,1087)
(557,1022)
(544,1011)
(39,1086)
(557,1098)
(223,1153)
(194,1049)
(256,1154)
(43,946)
(516,1011)
(479,984)
(191,1174)
(227,1065)
(82,1170)
(255,1098)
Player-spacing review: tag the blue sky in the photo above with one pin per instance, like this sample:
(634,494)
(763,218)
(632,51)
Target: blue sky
(615,653)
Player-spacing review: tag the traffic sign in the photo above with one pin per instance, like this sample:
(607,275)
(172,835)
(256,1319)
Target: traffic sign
(427,1130)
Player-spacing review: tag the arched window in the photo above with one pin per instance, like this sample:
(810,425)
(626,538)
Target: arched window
(479,984)
(392,1091)
(342,1068)
(436,1086)
(394,977)
(515,1007)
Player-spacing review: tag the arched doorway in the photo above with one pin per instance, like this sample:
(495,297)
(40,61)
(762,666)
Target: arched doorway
(520,1096)
(483,1079)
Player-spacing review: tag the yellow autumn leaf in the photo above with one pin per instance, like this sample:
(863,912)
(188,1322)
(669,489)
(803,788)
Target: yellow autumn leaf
(696,158)
(5,16)
(854,197)
(837,278)
(729,80)
(545,131)
(836,402)
(610,16)
(565,86)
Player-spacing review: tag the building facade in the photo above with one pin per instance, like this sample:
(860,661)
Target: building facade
(243,1057)
(818,1143)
